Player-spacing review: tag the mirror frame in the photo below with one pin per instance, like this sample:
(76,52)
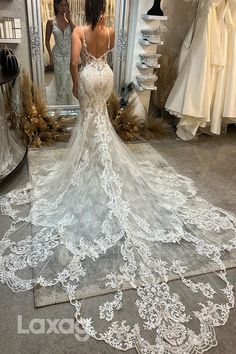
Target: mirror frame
(120,50)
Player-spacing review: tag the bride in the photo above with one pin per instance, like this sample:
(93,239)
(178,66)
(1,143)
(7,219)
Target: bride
(136,231)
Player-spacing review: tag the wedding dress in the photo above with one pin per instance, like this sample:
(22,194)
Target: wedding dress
(138,227)
(59,90)
(197,96)
(230,93)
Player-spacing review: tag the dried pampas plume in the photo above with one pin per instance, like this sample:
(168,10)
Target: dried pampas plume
(129,127)
(37,126)
(124,120)
(166,79)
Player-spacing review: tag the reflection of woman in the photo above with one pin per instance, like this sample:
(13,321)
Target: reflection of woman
(106,220)
(61,27)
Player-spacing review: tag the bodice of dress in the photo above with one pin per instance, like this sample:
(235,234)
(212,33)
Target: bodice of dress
(62,40)
(95,78)
(88,59)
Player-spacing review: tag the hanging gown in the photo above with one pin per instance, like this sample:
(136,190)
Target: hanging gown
(230,93)
(220,78)
(59,91)
(136,228)
(192,94)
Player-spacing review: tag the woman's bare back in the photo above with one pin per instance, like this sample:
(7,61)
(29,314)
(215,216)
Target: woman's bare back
(98,41)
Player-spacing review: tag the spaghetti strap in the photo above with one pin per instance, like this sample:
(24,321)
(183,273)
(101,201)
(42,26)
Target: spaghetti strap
(109,41)
(84,40)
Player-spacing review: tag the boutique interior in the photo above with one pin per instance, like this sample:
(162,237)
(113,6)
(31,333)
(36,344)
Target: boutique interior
(174,94)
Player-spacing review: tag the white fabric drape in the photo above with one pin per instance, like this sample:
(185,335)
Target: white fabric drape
(203,90)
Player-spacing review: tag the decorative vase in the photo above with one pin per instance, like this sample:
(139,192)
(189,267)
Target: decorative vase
(156,9)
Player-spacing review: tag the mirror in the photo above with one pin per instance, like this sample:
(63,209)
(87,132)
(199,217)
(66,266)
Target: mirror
(52,72)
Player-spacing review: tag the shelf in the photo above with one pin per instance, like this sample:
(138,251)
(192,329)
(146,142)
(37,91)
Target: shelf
(10,40)
(144,66)
(150,18)
(138,87)
(141,89)
(147,43)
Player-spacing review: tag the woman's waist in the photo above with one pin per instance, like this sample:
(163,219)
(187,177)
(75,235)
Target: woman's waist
(61,50)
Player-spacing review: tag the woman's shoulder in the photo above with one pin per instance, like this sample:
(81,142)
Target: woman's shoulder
(79,32)
(51,21)
(79,29)
(111,30)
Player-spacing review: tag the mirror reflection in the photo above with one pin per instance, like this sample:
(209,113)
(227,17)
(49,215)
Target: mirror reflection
(59,18)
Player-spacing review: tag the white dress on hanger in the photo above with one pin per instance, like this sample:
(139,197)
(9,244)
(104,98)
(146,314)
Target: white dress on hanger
(220,82)
(230,93)
(104,214)
(191,96)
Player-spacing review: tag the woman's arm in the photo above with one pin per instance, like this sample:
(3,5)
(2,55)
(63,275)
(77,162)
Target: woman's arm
(112,37)
(76,46)
(47,39)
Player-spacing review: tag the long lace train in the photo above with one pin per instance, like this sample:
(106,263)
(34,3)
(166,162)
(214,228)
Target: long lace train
(140,227)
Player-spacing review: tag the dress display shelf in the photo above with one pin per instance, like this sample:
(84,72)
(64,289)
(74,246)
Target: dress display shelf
(147,43)
(10,40)
(141,89)
(151,18)
(152,63)
(144,66)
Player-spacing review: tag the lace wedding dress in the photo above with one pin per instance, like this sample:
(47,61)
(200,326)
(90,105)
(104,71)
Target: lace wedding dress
(59,90)
(139,227)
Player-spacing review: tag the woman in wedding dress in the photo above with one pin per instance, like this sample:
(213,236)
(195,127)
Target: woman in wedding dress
(61,26)
(104,221)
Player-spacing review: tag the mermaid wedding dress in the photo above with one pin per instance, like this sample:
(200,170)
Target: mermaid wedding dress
(59,90)
(139,228)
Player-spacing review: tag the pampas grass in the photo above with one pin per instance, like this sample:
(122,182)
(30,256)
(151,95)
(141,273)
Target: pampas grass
(37,126)
(128,126)
(166,78)
(124,120)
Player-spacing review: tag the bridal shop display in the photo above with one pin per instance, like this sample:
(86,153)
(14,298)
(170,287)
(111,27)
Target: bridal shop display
(111,228)
(145,37)
(203,96)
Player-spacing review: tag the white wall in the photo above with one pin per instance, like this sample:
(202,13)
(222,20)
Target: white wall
(180,17)
(17,9)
